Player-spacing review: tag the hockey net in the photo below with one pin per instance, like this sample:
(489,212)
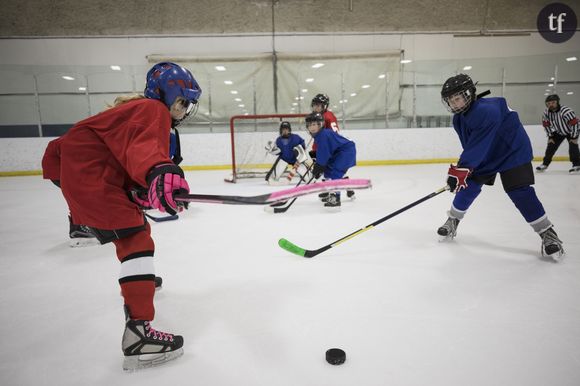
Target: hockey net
(249,135)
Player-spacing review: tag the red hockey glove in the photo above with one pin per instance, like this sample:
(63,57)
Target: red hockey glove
(457,178)
(164,181)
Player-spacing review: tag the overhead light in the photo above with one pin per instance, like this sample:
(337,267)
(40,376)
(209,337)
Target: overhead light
(365,86)
(238,99)
(301,97)
(467,68)
(405,61)
(571,59)
(548,90)
(82,89)
(309,80)
(550,84)
(317,65)
(570,93)
(246,113)
(66,77)
(546,93)
(116,68)
(297,98)
(241,105)
(233,92)
(228,82)
(353,94)
(304,90)
(382,76)
(552,78)
(220,68)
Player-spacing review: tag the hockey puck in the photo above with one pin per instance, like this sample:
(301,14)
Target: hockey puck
(335,356)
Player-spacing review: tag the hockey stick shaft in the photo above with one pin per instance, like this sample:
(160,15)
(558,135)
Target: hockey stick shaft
(162,219)
(281,207)
(293,248)
(281,195)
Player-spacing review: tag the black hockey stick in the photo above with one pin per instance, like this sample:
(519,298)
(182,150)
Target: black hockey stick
(293,248)
(170,217)
(281,207)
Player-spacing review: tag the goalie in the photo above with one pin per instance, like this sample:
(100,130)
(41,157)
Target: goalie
(290,150)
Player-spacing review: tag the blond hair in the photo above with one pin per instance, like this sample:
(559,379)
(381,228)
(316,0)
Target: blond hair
(124,99)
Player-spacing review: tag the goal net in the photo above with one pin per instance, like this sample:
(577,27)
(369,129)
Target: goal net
(249,136)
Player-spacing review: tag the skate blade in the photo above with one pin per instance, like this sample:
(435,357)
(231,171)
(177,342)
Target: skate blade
(144,361)
(332,209)
(82,242)
(446,239)
(556,257)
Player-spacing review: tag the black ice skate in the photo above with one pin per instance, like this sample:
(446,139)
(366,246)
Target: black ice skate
(146,347)
(551,245)
(574,170)
(323,196)
(541,168)
(448,230)
(333,201)
(350,194)
(80,235)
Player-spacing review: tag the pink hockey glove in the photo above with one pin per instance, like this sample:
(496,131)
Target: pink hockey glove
(457,178)
(164,181)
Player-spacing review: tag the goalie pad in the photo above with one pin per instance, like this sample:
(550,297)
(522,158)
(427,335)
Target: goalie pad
(301,154)
(276,172)
(272,148)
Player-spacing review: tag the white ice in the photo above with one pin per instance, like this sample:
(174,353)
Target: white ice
(407,309)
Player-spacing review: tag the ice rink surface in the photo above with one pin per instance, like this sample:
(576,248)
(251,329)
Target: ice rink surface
(407,309)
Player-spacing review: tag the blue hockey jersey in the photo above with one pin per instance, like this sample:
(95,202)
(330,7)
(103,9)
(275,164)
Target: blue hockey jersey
(287,145)
(334,151)
(492,137)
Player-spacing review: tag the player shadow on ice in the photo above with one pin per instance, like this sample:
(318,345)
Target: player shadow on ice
(470,242)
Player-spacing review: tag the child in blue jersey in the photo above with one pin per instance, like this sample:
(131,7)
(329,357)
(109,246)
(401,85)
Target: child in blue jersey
(335,154)
(494,141)
(286,150)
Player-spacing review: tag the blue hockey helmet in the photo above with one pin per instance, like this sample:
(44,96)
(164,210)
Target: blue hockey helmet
(167,81)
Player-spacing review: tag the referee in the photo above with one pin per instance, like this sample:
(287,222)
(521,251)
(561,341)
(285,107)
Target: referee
(560,123)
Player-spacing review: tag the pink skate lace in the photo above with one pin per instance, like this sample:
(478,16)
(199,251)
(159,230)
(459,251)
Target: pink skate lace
(158,335)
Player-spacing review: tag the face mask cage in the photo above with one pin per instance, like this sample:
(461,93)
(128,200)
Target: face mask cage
(452,102)
(191,108)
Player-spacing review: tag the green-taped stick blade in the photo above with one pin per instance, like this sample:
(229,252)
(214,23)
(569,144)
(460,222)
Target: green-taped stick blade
(287,245)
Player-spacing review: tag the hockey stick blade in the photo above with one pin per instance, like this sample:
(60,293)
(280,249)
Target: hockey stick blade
(281,195)
(295,249)
(162,219)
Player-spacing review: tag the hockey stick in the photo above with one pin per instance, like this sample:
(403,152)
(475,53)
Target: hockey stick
(293,248)
(282,207)
(162,219)
(281,195)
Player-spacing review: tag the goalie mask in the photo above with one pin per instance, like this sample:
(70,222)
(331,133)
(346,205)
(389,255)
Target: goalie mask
(322,100)
(285,125)
(166,81)
(458,93)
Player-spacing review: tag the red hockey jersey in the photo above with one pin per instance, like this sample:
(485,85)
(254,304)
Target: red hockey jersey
(104,155)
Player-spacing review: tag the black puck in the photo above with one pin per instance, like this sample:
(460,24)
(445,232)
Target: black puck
(335,356)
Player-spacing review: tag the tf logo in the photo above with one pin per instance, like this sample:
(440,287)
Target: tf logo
(557,22)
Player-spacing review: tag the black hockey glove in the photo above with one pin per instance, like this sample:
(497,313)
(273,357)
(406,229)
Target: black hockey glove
(317,170)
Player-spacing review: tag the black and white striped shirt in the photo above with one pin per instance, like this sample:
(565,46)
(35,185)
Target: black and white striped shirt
(563,122)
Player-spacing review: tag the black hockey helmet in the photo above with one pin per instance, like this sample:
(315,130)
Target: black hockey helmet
(459,84)
(285,125)
(314,117)
(553,97)
(321,99)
